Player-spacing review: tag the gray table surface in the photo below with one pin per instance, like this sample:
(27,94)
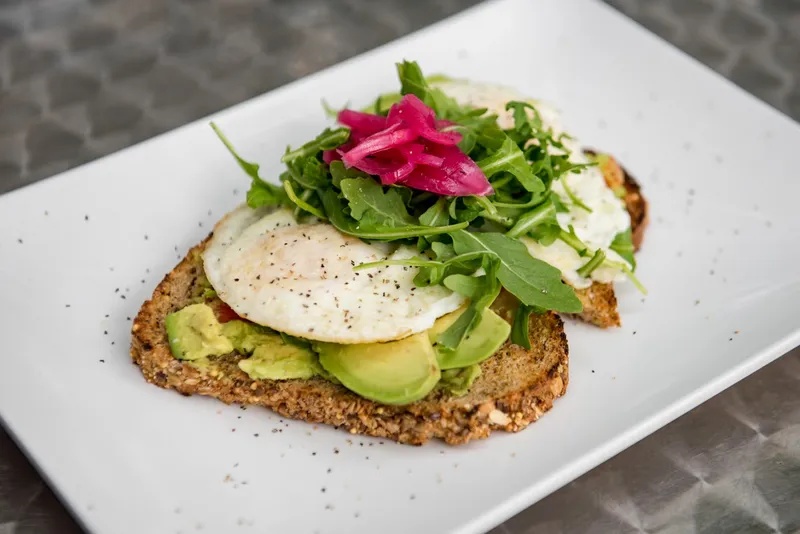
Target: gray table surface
(82,78)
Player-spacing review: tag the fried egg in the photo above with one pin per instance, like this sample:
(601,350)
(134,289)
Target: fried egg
(298,278)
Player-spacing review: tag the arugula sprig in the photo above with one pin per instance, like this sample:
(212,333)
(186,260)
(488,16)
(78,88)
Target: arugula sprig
(261,193)
(470,245)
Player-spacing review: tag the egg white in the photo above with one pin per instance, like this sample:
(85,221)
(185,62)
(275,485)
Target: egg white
(299,279)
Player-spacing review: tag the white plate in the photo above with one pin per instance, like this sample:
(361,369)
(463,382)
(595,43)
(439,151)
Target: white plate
(720,261)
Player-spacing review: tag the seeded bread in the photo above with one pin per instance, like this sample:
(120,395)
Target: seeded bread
(515,388)
(599,301)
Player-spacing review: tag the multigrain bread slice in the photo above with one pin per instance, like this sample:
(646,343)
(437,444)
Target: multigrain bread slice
(599,301)
(515,388)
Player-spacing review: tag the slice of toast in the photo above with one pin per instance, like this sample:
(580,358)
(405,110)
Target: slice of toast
(515,388)
(599,301)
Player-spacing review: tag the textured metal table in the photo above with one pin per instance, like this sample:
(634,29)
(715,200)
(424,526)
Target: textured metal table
(82,78)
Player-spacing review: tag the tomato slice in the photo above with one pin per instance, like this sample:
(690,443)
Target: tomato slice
(225,313)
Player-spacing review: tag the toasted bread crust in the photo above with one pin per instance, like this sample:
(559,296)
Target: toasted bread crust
(516,386)
(599,301)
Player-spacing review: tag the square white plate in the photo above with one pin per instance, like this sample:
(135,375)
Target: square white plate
(81,252)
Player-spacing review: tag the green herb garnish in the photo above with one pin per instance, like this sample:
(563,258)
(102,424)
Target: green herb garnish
(471,245)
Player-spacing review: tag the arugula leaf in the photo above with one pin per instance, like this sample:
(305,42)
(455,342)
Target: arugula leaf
(444,106)
(543,214)
(490,135)
(344,223)
(434,274)
(443,252)
(532,281)
(327,140)
(475,126)
(412,81)
(524,126)
(471,287)
(429,276)
(309,172)
(623,245)
(406,194)
(464,208)
(370,205)
(436,215)
(261,193)
(264,194)
(330,111)
(382,104)
(519,328)
(509,158)
(481,290)
(560,206)
(339,172)
(250,168)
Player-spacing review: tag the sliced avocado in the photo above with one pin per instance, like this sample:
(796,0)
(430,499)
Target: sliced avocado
(397,372)
(458,381)
(195,333)
(273,357)
(247,336)
(488,336)
(276,360)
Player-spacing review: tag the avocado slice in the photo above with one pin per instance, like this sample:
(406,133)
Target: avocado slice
(273,357)
(247,336)
(458,381)
(482,342)
(276,360)
(398,372)
(195,333)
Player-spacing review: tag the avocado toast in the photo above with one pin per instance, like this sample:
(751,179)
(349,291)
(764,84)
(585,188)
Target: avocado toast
(515,388)
(404,280)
